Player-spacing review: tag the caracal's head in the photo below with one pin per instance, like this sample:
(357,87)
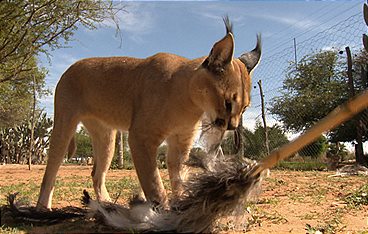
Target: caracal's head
(223,83)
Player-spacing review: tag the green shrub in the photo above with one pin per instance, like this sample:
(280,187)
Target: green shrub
(315,149)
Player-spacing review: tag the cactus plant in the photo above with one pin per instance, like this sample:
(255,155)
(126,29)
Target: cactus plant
(15,141)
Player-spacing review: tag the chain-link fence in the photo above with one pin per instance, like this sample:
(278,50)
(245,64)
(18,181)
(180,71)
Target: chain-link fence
(298,83)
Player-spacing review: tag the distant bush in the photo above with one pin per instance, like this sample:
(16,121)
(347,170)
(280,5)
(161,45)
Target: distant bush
(315,149)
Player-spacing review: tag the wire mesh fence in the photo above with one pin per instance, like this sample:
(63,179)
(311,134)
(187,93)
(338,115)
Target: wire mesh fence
(298,84)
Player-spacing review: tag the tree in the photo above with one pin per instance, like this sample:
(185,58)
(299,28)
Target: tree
(121,142)
(29,28)
(16,96)
(254,142)
(313,88)
(84,144)
(316,148)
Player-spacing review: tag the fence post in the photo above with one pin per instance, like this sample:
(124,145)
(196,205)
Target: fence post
(264,117)
(359,153)
(31,141)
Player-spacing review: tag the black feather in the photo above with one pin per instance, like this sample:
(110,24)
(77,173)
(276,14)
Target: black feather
(28,214)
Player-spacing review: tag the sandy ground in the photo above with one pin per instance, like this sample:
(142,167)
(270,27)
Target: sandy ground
(288,203)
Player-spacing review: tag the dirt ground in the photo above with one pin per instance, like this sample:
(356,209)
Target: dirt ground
(290,201)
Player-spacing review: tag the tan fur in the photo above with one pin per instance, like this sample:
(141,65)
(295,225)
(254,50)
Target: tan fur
(158,98)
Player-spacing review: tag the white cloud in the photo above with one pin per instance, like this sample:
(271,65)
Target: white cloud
(135,21)
(289,21)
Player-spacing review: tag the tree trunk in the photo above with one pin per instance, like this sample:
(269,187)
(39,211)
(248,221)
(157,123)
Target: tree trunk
(120,144)
(359,152)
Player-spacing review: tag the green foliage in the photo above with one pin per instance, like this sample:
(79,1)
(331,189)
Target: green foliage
(84,144)
(347,132)
(16,97)
(29,28)
(337,152)
(15,141)
(316,86)
(161,156)
(311,90)
(127,159)
(316,148)
(128,163)
(254,142)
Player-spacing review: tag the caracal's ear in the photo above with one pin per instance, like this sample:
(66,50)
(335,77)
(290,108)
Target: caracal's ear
(222,52)
(251,59)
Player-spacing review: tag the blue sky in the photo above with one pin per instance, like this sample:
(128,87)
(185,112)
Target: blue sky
(191,28)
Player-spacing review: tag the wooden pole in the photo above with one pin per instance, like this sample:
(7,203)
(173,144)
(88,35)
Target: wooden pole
(31,144)
(264,117)
(350,72)
(295,56)
(359,154)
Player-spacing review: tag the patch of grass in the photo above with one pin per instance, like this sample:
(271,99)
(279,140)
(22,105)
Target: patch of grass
(276,181)
(230,226)
(258,215)
(301,166)
(295,197)
(123,183)
(10,230)
(317,193)
(29,190)
(309,216)
(333,226)
(273,183)
(270,201)
(358,198)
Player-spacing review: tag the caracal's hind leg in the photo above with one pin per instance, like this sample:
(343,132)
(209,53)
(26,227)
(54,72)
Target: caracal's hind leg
(144,148)
(178,153)
(62,133)
(103,142)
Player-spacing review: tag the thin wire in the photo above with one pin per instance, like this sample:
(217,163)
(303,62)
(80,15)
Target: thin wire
(277,46)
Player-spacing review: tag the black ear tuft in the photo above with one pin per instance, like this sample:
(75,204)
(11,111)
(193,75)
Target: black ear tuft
(222,51)
(228,24)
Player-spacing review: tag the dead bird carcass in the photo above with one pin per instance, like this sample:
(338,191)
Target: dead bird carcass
(208,195)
